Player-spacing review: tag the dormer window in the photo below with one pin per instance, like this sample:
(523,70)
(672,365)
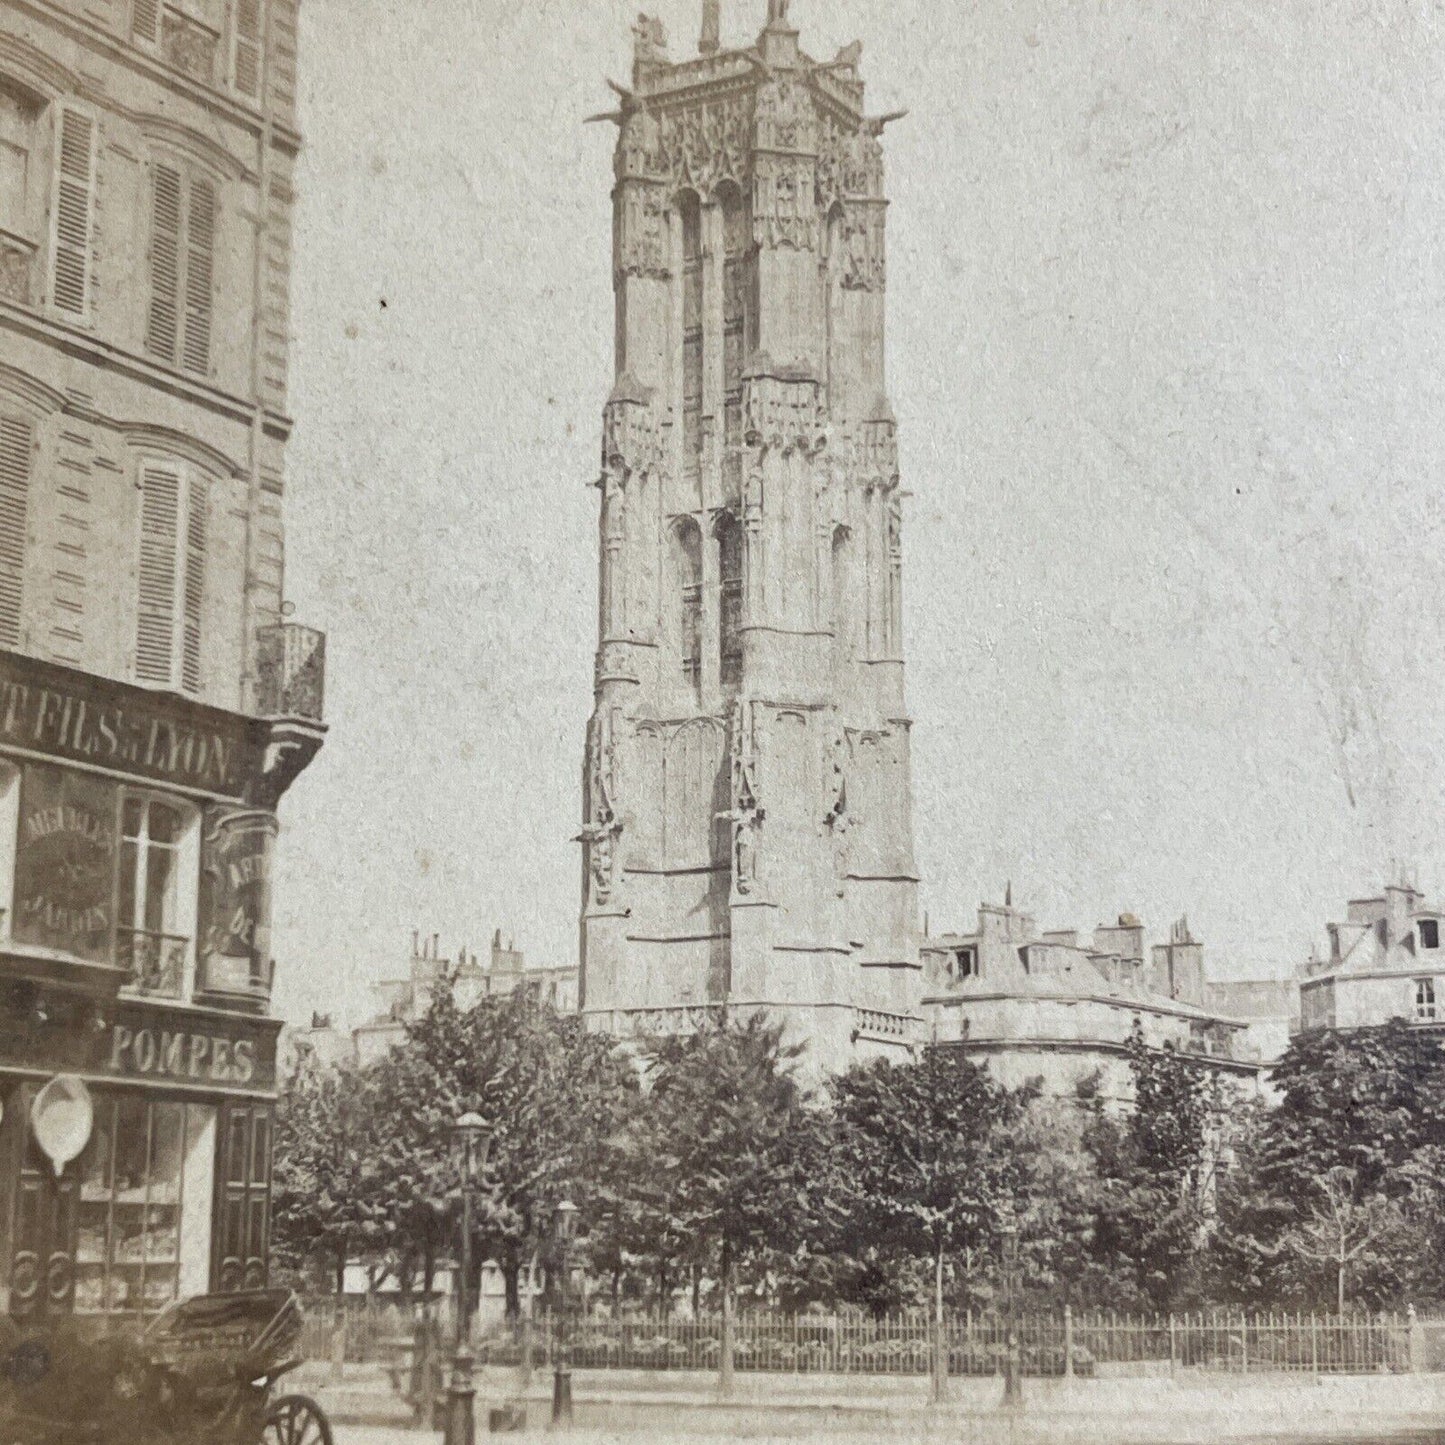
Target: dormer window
(1429,933)
(965,963)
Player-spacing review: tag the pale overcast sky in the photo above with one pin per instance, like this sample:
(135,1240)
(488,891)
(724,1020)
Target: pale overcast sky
(1165,304)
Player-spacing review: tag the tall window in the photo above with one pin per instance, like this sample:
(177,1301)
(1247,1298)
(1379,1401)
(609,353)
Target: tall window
(17,447)
(692,367)
(74,210)
(19,229)
(687,597)
(182,256)
(246,47)
(174,505)
(739,307)
(1430,933)
(1425,999)
(730,600)
(149,939)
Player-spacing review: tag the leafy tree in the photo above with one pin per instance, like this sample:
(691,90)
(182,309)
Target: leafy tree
(1362,1109)
(1157,1170)
(922,1164)
(323,1203)
(731,1135)
(554,1096)
(1339,1225)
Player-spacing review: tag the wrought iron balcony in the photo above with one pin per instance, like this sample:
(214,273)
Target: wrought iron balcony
(155,963)
(290,671)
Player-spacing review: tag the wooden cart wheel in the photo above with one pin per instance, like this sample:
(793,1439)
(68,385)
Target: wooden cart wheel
(295,1420)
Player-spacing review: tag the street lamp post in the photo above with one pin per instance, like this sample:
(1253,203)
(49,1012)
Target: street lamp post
(476,1142)
(1013,1372)
(562,1372)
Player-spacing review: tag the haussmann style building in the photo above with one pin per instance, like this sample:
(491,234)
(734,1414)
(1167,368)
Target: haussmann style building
(747,825)
(154,705)
(1064,1009)
(1386,961)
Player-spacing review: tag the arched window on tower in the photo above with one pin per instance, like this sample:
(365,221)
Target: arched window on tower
(687,597)
(691,213)
(739,306)
(730,600)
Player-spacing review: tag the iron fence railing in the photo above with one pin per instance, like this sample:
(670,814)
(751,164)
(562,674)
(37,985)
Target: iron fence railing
(1055,1344)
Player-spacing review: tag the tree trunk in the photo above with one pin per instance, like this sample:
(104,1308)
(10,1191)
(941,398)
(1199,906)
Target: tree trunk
(1340,1288)
(511,1269)
(696,1290)
(341,1271)
(617,1292)
(940,1368)
(725,1353)
(527,1321)
(428,1267)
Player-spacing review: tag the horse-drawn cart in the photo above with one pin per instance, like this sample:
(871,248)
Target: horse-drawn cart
(201,1373)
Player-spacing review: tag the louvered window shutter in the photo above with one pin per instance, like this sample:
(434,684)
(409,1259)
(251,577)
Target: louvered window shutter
(161,322)
(195,585)
(247,70)
(74,204)
(145,21)
(200,248)
(16,446)
(161,488)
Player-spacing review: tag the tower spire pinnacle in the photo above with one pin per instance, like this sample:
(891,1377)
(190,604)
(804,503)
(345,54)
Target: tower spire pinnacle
(711,37)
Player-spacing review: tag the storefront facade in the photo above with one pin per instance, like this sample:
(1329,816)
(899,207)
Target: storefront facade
(136,834)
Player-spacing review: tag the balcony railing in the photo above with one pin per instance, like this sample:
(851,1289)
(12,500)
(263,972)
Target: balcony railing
(235,978)
(290,671)
(155,963)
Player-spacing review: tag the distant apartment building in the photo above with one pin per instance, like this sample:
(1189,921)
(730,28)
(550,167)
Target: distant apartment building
(406,998)
(1056,1007)
(155,704)
(1386,961)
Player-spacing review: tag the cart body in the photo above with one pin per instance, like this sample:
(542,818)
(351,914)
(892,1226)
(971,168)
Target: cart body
(202,1371)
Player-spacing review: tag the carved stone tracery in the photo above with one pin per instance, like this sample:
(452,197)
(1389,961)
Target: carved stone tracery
(603,831)
(862,243)
(746,814)
(784,415)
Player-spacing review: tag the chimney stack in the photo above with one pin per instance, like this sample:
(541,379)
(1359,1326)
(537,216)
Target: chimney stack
(711,37)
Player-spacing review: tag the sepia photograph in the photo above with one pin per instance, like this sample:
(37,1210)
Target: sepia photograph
(721,724)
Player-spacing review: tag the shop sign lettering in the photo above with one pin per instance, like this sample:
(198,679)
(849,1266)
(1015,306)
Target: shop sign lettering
(181,1054)
(65,864)
(129,735)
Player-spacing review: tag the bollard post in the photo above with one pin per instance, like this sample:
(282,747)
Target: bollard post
(1417,1341)
(1068,1342)
(338,1351)
(1173,1348)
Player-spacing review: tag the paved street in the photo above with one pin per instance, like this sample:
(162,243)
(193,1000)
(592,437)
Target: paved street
(988,1433)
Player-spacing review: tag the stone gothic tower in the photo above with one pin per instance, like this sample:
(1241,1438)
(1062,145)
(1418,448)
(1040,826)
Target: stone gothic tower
(747,822)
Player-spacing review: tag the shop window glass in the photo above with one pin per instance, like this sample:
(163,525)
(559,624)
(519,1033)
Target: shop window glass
(128,1242)
(151,940)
